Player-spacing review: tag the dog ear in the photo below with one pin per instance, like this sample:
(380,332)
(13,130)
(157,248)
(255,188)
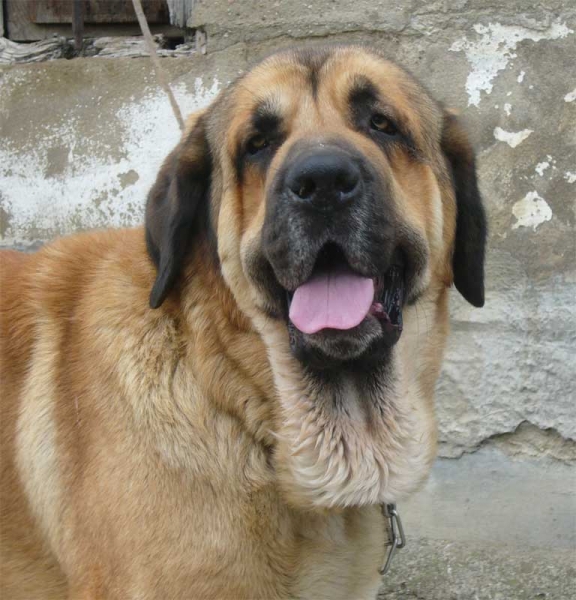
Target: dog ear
(471,227)
(181,187)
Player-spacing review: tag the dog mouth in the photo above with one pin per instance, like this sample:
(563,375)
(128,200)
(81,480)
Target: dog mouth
(338,299)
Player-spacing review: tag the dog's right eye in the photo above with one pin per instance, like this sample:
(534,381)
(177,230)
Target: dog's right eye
(383,124)
(256,143)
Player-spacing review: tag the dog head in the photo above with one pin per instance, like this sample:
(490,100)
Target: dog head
(339,188)
(338,197)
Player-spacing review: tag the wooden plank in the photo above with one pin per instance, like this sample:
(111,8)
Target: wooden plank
(180,11)
(31,32)
(16,17)
(78,24)
(105,47)
(113,47)
(19,27)
(13,53)
(96,11)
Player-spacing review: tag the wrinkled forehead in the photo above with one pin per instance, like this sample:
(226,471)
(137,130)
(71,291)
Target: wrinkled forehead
(319,86)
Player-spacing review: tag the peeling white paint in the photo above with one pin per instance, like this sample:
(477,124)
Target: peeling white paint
(93,192)
(492,52)
(507,108)
(570,177)
(541,167)
(521,76)
(531,211)
(571,96)
(512,138)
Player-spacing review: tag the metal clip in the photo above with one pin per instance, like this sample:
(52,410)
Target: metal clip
(396,538)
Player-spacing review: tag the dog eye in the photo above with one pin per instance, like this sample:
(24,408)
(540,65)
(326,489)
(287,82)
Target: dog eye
(256,143)
(381,123)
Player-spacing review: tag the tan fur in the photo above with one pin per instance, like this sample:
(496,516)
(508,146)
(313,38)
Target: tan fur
(179,453)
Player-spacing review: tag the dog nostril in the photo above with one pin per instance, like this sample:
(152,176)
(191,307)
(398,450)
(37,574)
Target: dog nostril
(346,183)
(305,189)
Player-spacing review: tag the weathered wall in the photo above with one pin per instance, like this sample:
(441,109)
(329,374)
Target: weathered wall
(81,142)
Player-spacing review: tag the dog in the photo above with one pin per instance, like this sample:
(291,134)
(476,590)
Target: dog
(217,405)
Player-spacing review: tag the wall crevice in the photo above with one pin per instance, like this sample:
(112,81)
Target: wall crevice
(526,440)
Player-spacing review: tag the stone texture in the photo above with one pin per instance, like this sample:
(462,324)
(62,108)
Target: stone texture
(494,498)
(512,362)
(447,570)
(82,141)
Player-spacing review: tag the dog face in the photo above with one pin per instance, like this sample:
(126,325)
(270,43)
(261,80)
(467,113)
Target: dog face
(336,191)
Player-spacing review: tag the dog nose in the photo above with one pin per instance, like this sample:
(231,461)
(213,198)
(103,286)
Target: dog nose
(324,180)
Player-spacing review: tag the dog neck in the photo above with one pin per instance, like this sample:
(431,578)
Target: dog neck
(349,439)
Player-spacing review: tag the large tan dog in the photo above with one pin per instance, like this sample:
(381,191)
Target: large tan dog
(217,407)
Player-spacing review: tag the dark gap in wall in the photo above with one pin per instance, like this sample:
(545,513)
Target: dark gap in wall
(172,42)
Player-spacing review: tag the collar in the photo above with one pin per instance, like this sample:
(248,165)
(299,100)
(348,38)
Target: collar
(395,531)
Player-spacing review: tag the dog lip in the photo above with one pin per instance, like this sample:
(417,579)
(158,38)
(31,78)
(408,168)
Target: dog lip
(341,258)
(330,256)
(391,300)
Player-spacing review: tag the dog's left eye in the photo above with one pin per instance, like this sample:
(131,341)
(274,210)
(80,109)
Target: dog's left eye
(383,124)
(256,143)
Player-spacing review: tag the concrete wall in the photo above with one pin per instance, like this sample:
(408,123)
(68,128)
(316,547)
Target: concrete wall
(81,142)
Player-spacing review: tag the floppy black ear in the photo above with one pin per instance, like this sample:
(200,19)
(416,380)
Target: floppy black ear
(173,203)
(471,227)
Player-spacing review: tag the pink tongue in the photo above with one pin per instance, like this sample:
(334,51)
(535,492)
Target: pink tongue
(335,299)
